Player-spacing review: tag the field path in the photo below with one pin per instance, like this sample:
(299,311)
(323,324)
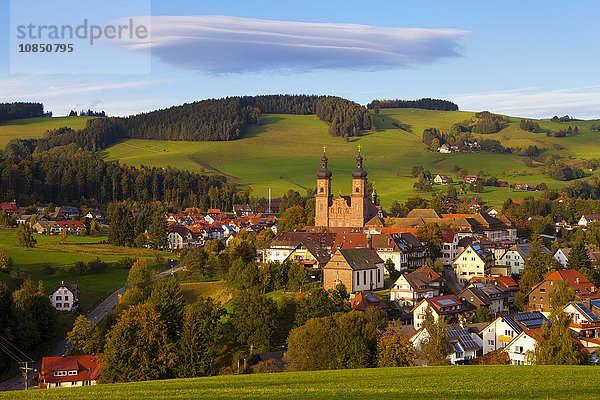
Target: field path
(142,148)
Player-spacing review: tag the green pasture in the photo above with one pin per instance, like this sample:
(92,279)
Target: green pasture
(93,287)
(452,382)
(30,128)
(284,153)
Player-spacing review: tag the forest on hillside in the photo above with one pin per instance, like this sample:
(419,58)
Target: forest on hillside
(425,104)
(212,120)
(20,110)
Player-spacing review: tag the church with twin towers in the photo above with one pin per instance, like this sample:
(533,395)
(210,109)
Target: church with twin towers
(343,211)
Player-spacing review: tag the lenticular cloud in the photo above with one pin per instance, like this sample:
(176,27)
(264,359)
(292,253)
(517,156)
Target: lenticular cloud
(223,44)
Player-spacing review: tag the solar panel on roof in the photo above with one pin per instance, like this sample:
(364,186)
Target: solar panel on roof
(587,312)
(371,297)
(447,302)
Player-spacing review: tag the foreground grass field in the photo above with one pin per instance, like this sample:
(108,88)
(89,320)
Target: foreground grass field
(93,287)
(284,154)
(35,127)
(455,382)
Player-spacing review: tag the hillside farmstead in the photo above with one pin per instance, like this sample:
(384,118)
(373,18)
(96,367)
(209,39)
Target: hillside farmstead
(69,371)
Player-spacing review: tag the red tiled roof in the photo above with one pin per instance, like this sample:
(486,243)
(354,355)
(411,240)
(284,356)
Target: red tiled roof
(576,281)
(86,366)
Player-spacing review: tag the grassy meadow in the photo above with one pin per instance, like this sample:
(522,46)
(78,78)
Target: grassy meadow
(30,128)
(93,287)
(284,154)
(453,382)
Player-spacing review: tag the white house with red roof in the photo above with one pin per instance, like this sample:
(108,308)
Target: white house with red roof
(69,371)
(587,219)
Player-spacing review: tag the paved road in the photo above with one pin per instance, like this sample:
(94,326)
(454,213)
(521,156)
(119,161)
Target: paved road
(17,382)
(451,280)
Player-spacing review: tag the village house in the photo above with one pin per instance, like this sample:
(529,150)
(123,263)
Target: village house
(485,295)
(587,219)
(504,329)
(521,186)
(444,149)
(562,256)
(470,179)
(365,300)
(519,350)
(441,179)
(464,345)
(475,260)
(516,255)
(10,208)
(179,237)
(93,214)
(65,212)
(539,296)
(412,287)
(585,318)
(358,269)
(69,371)
(284,244)
(47,227)
(449,248)
(449,306)
(72,227)
(65,297)
(243,210)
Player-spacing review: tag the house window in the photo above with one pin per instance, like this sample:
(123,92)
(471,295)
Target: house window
(357,189)
(378,275)
(58,297)
(72,372)
(322,190)
(364,277)
(66,298)
(357,278)
(490,342)
(60,373)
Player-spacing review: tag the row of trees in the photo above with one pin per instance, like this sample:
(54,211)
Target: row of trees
(66,175)
(425,104)
(20,110)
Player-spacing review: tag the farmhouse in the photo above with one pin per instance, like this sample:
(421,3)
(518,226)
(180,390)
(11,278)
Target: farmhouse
(587,219)
(470,179)
(72,227)
(65,297)
(69,371)
(520,348)
(358,269)
(46,227)
(343,211)
(449,248)
(441,180)
(444,148)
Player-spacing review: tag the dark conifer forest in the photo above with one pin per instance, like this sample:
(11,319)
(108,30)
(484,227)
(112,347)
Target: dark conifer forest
(425,104)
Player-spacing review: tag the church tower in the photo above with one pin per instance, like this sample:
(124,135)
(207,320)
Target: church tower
(358,197)
(323,198)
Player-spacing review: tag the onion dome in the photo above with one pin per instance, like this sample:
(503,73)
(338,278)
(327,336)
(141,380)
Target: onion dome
(359,172)
(324,173)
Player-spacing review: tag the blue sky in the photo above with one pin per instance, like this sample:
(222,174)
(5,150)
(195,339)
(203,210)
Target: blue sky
(523,58)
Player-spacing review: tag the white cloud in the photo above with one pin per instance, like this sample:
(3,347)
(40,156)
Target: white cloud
(580,102)
(223,44)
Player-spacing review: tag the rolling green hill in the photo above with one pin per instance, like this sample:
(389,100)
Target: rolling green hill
(35,127)
(284,153)
(453,382)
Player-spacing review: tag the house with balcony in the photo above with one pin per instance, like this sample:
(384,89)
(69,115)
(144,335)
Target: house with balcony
(504,329)
(411,287)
